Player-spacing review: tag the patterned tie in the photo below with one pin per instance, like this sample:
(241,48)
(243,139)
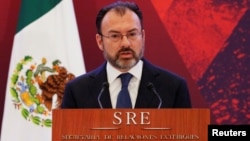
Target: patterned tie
(123,100)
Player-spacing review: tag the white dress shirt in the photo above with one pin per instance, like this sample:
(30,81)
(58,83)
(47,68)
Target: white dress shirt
(115,83)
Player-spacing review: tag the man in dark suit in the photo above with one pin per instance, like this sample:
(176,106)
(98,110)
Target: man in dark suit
(121,38)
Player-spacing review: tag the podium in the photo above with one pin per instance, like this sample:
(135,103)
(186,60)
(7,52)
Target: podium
(130,124)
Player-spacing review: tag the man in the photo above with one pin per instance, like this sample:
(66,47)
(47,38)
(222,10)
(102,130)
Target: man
(121,38)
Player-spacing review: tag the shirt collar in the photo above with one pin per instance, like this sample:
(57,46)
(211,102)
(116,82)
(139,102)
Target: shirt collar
(113,73)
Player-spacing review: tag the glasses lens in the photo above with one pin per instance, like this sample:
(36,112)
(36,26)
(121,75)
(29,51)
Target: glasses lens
(115,36)
(133,35)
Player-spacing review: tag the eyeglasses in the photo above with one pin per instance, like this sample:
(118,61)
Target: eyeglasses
(115,37)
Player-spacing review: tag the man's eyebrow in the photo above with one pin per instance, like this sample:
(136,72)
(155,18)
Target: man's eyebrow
(131,30)
(113,31)
(134,29)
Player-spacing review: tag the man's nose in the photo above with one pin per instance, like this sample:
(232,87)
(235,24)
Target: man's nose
(125,41)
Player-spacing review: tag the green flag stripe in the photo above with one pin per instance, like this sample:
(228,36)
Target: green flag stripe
(33,9)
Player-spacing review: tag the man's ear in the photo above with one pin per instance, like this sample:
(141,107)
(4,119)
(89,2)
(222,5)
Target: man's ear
(143,34)
(99,41)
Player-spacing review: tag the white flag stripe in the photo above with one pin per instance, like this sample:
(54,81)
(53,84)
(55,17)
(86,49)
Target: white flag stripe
(53,36)
(46,36)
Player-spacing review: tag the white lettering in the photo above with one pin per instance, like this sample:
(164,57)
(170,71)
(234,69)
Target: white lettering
(117,117)
(131,117)
(216,132)
(145,117)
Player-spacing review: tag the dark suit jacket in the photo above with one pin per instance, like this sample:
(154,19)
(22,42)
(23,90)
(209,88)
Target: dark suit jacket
(83,91)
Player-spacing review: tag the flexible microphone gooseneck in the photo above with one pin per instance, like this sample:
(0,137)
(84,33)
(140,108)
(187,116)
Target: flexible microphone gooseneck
(152,88)
(104,86)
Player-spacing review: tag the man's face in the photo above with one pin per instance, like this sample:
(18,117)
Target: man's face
(123,52)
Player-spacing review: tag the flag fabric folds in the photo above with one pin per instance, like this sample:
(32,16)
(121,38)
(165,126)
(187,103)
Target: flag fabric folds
(46,54)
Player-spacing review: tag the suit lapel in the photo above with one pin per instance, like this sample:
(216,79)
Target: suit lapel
(100,76)
(146,97)
(105,99)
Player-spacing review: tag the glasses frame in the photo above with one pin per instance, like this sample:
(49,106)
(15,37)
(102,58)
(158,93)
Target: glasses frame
(121,36)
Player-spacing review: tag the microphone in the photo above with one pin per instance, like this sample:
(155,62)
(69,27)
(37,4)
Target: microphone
(104,86)
(152,88)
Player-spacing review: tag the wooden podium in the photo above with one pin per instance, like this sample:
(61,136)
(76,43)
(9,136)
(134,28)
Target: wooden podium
(130,124)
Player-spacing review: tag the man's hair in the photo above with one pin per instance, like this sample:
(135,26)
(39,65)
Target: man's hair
(120,7)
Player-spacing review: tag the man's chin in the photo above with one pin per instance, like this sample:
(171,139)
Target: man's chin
(127,63)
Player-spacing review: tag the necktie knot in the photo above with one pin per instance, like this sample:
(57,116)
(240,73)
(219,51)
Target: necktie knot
(125,78)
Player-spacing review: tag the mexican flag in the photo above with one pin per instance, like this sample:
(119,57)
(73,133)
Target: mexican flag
(46,55)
